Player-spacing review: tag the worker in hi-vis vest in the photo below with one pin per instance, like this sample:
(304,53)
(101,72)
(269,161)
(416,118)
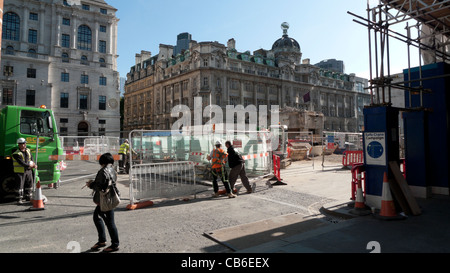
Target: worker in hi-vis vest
(218,159)
(23,163)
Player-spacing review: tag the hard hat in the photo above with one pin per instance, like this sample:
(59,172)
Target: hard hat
(126,140)
(21,140)
(218,142)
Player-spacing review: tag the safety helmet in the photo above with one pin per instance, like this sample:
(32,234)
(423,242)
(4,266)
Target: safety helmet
(21,140)
(126,140)
(218,142)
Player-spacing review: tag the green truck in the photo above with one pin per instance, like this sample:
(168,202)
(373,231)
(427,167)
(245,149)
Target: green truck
(35,125)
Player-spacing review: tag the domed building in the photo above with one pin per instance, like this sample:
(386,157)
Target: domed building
(286,49)
(224,76)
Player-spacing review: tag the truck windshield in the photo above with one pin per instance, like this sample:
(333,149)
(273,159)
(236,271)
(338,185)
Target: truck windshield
(34,123)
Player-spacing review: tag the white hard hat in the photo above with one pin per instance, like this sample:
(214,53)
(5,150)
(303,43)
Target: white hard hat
(21,140)
(126,140)
(218,142)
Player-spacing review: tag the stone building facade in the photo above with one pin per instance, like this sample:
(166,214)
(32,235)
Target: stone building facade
(63,54)
(223,76)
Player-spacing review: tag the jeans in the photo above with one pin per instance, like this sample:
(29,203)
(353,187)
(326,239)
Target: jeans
(108,218)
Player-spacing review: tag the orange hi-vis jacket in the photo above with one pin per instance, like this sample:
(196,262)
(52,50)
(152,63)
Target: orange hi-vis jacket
(218,156)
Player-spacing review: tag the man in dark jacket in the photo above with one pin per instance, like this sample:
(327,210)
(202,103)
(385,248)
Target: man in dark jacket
(237,165)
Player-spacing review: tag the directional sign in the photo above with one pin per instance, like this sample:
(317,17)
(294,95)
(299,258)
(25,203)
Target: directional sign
(375,148)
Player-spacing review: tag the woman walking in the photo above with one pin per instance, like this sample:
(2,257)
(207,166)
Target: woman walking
(104,175)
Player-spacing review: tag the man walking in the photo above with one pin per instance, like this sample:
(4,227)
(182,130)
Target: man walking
(123,152)
(23,163)
(237,165)
(218,157)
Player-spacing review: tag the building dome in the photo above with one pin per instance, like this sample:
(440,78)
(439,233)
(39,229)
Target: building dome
(286,43)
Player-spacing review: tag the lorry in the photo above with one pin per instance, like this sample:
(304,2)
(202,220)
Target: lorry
(38,127)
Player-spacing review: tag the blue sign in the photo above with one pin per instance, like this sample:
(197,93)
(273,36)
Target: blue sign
(375,149)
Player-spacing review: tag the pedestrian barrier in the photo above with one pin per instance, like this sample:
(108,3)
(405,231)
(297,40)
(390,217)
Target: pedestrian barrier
(350,158)
(358,178)
(79,157)
(277,170)
(160,180)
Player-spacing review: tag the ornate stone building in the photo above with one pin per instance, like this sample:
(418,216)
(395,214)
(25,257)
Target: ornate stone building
(223,76)
(63,54)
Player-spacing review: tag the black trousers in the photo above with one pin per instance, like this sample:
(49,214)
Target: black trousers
(24,182)
(222,174)
(108,218)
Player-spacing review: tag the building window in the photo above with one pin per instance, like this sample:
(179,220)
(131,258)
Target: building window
(85,79)
(83,102)
(102,131)
(102,102)
(84,60)
(31,73)
(65,3)
(65,40)
(64,77)
(64,100)
(102,81)
(85,7)
(102,62)
(32,53)
(205,82)
(101,121)
(30,99)
(63,131)
(103,11)
(11,26)
(32,36)
(63,120)
(65,57)
(34,16)
(84,38)
(8,71)
(102,28)
(7,96)
(66,21)
(10,50)
(102,46)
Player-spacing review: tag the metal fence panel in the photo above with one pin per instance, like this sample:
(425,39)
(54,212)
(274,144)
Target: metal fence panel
(161,180)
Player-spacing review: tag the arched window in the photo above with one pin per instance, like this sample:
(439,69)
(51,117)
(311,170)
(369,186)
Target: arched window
(11,26)
(65,57)
(102,62)
(32,53)
(84,60)
(84,38)
(10,50)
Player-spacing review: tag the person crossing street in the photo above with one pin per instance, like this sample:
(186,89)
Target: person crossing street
(218,159)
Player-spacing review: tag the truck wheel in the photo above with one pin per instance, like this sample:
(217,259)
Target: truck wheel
(8,187)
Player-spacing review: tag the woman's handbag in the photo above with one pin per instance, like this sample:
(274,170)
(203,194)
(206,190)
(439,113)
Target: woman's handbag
(110,198)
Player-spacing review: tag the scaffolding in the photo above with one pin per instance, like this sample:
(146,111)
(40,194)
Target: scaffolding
(427,29)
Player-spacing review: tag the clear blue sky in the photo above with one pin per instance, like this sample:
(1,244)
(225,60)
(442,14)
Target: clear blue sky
(323,28)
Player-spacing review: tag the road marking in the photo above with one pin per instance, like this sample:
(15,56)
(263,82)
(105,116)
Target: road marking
(77,178)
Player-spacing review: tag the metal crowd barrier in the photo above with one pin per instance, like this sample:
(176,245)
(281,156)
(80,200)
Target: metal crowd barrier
(161,180)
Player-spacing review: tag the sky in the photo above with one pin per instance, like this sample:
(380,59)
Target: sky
(323,28)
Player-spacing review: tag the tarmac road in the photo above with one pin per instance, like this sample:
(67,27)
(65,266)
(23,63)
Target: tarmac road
(170,226)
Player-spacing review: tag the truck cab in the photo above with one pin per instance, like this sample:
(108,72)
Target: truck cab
(38,127)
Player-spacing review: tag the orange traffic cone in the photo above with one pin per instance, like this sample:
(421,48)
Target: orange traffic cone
(360,208)
(388,211)
(38,200)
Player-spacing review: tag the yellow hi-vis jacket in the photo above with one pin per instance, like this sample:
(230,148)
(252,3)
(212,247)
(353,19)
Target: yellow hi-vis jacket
(18,168)
(124,148)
